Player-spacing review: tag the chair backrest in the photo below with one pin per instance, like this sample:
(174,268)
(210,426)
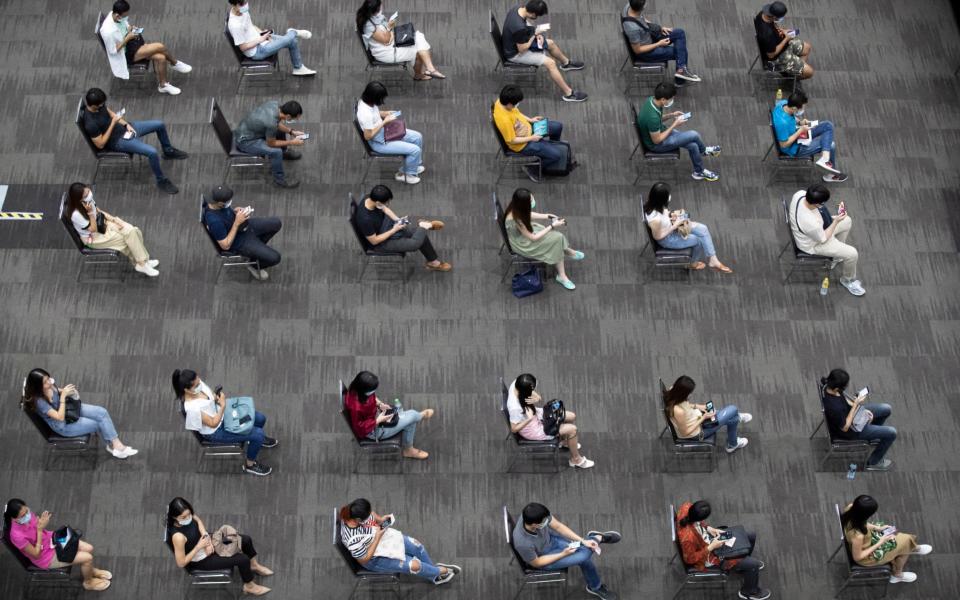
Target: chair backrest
(221,128)
(765,62)
(206,230)
(96,31)
(785,204)
(342,390)
(636,125)
(501,220)
(93,147)
(496,132)
(237,52)
(363,140)
(676,538)
(352,219)
(843,539)
(497,37)
(348,558)
(5,535)
(68,224)
(821,389)
(366,51)
(509,523)
(504,395)
(633,55)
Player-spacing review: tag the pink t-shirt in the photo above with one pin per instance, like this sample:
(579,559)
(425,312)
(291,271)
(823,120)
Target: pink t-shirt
(26,535)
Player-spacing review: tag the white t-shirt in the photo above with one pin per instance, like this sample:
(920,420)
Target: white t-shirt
(80,223)
(194,408)
(513,404)
(661,216)
(368,116)
(806,224)
(243,31)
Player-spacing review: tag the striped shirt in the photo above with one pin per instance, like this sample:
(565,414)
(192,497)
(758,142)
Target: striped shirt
(357,540)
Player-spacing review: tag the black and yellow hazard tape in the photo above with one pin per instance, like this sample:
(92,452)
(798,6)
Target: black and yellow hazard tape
(20,216)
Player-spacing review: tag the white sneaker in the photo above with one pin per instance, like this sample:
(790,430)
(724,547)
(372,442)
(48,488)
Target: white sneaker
(411,179)
(585,463)
(303,71)
(127,452)
(745,417)
(153,263)
(823,163)
(258,274)
(146,269)
(168,88)
(421,169)
(741,443)
(905,577)
(182,67)
(303,34)
(922,549)
(854,286)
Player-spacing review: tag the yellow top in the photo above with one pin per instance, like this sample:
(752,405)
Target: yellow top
(512,124)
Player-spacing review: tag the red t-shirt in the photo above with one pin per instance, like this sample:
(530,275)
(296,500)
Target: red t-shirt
(363,415)
(26,535)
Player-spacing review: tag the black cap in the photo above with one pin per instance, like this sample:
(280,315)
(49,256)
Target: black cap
(221,193)
(776,10)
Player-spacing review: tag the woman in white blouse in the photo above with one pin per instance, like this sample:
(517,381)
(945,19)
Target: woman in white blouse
(666,228)
(378,37)
(373,121)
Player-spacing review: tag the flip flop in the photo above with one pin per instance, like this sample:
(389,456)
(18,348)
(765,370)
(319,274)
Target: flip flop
(697,266)
(435,74)
(101,574)
(722,269)
(423,77)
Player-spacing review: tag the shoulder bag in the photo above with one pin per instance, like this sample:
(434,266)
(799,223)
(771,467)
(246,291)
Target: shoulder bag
(394,130)
(226,541)
(554,414)
(66,542)
(71,413)
(404,35)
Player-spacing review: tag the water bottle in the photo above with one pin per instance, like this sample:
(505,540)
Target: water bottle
(779,94)
(852,471)
(824,286)
(396,404)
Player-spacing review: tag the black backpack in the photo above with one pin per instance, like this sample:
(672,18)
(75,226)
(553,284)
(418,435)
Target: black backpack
(554,414)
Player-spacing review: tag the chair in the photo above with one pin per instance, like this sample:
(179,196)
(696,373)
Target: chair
(769,73)
(139,71)
(516,260)
(858,574)
(56,444)
(800,164)
(227,258)
(95,256)
(210,449)
(801,260)
(506,157)
(713,576)
(370,155)
(376,66)
(200,578)
(684,446)
(389,447)
(361,575)
(858,449)
(37,577)
(641,68)
(651,159)
(666,257)
(502,61)
(524,447)
(246,66)
(101,155)
(530,575)
(224,133)
(370,253)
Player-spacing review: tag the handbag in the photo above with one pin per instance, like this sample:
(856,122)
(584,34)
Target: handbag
(239,415)
(404,35)
(101,223)
(226,541)
(527,283)
(554,414)
(394,130)
(71,414)
(66,542)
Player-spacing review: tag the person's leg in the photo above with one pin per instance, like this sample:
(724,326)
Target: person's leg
(555,52)
(843,229)
(159,55)
(413,161)
(418,561)
(253,440)
(806,50)
(661,54)
(251,246)
(880,411)
(729,417)
(848,255)
(407,424)
(556,75)
(690,140)
(153,126)
(568,431)
(675,241)
(133,238)
(136,146)
(749,570)
(265,227)
(260,148)
(240,561)
(700,231)
(410,152)
(104,423)
(553,156)
(278,43)
(84,560)
(414,238)
(582,558)
(678,41)
(884,434)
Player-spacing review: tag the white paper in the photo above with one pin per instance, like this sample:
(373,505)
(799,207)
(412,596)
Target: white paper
(729,543)
(543,27)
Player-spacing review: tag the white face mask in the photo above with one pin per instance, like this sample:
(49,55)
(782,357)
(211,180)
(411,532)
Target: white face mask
(669,103)
(89,198)
(533,202)
(778,21)
(52,381)
(197,388)
(244,9)
(800,113)
(185,522)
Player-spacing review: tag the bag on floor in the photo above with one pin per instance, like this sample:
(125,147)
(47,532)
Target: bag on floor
(66,542)
(554,414)
(239,415)
(527,283)
(226,541)
(404,34)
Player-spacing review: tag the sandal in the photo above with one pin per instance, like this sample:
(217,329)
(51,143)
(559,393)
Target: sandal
(436,225)
(96,584)
(101,574)
(421,455)
(722,269)
(426,413)
(423,77)
(435,74)
(697,266)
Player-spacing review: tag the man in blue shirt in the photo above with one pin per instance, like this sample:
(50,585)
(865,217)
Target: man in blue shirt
(797,138)
(235,231)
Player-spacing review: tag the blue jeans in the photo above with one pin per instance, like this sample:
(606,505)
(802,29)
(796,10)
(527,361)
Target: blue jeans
(699,239)
(407,424)
(822,136)
(554,153)
(136,145)
(278,43)
(92,419)
(413,549)
(259,147)
(728,417)
(582,558)
(677,50)
(684,139)
(876,430)
(254,439)
(252,241)
(411,147)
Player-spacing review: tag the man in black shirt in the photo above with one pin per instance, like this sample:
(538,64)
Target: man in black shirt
(236,231)
(387,232)
(101,126)
(840,414)
(782,46)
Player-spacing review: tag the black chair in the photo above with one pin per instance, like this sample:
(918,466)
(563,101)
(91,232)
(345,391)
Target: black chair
(370,155)
(687,446)
(650,159)
(642,70)
(201,579)
(784,161)
(109,157)
(801,260)
(370,253)
(666,257)
(507,157)
(227,258)
(858,574)
(210,449)
(224,133)
(516,260)
(768,71)
(390,447)
(376,66)
(94,256)
(246,66)
(56,444)
(838,446)
(711,577)
(139,71)
(508,67)
(360,575)
(531,575)
(524,447)
(37,577)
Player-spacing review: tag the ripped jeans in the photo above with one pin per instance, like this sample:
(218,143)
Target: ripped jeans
(413,550)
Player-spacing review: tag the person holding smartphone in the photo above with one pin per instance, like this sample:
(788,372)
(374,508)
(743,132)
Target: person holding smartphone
(674,229)
(702,421)
(873,544)
(791,127)
(781,46)
(660,137)
(652,42)
(839,410)
(537,241)
(236,231)
(377,32)
(372,120)
(370,418)
(260,43)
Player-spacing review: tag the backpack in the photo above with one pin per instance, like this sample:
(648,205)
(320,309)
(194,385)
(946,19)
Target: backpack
(239,415)
(554,414)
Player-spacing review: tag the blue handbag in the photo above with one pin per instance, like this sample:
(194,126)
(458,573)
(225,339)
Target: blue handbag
(527,283)
(239,415)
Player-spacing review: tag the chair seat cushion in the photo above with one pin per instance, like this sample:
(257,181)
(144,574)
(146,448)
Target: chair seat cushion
(79,439)
(674,253)
(98,252)
(113,154)
(267,62)
(801,255)
(384,253)
(524,442)
(656,67)
(673,155)
(221,572)
(210,444)
(234,153)
(391,441)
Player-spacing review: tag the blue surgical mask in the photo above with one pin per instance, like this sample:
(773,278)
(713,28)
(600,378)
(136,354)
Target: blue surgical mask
(185,522)
(533,203)
(125,21)
(25,519)
(800,113)
(244,9)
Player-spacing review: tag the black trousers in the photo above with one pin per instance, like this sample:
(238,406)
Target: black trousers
(748,568)
(241,561)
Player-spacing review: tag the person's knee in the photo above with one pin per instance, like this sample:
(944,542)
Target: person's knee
(549,63)
(274,153)
(83,558)
(806,72)
(891,433)
(257,435)
(570,417)
(415,566)
(85,547)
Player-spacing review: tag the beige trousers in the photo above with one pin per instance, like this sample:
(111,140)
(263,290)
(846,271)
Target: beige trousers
(127,240)
(836,247)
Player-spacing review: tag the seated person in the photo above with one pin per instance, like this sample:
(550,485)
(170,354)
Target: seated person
(699,543)
(203,412)
(387,232)
(871,547)
(543,542)
(264,131)
(652,42)
(194,548)
(125,45)
(798,138)
(673,229)
(840,409)
(378,37)
(47,400)
(781,46)
(100,124)
(372,419)
(516,129)
(818,232)
(698,421)
(28,532)
(525,408)
(525,45)
(378,546)
(661,139)
(236,231)
(536,241)
(117,234)
(260,43)
(373,122)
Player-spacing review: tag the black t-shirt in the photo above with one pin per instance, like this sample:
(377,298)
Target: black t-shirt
(768,35)
(515,31)
(96,123)
(835,411)
(369,221)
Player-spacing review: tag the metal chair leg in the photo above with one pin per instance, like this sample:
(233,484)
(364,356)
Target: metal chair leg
(816,430)
(365,260)
(753,64)
(834,553)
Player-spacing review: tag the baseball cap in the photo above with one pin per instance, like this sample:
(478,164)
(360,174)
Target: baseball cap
(775,9)
(221,193)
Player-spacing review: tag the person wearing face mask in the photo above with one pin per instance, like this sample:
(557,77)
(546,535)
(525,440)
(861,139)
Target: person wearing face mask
(536,241)
(260,43)
(517,131)
(27,531)
(40,394)
(841,409)
(203,412)
(373,121)
(372,419)
(236,231)
(792,128)
(661,139)
(543,542)
(673,229)
(264,132)
(194,549)
(781,46)
(125,46)
(525,409)
(387,232)
(117,234)
(652,42)
(378,37)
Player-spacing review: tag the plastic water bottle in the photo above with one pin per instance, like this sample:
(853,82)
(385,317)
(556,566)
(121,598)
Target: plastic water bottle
(396,404)
(779,94)
(824,286)
(852,471)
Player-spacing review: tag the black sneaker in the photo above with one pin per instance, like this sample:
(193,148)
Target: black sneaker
(602,592)
(606,537)
(573,65)
(174,154)
(269,442)
(167,186)
(686,75)
(257,469)
(286,183)
(575,96)
(291,155)
(760,594)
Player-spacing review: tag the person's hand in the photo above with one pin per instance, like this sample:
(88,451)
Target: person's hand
(715,544)
(43,520)
(535,119)
(221,398)
(539,40)
(559,222)
(242,217)
(390,117)
(535,397)
(666,30)
(663,42)
(69,390)
(383,417)
(803,128)
(839,218)
(399,225)
(887,538)
(131,129)
(590,543)
(552,216)
(708,415)
(679,120)
(295,132)
(265,37)
(535,138)
(295,142)
(568,551)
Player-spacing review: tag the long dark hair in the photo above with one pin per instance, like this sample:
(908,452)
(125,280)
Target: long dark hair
(174,510)
(364,382)
(181,380)
(519,207)
(75,198)
(11,512)
(657,199)
(856,516)
(678,392)
(525,385)
(366,12)
(699,511)
(33,387)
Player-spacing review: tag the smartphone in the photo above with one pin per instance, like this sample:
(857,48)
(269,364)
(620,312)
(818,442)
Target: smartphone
(388,521)
(305,136)
(138,30)
(397,113)
(725,535)
(128,135)
(266,31)
(122,111)
(888,530)
(216,393)
(863,392)
(248,209)
(686,116)
(573,545)
(710,409)
(842,209)
(394,16)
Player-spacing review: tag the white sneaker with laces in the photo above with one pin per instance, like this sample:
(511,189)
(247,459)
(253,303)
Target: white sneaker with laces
(146,269)
(905,577)
(182,67)
(741,443)
(823,163)
(745,417)
(303,71)
(258,274)
(411,179)
(421,169)
(153,263)
(585,463)
(169,88)
(922,549)
(127,452)
(853,286)
(303,34)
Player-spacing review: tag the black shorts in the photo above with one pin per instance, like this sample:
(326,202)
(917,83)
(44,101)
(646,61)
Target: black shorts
(132,47)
